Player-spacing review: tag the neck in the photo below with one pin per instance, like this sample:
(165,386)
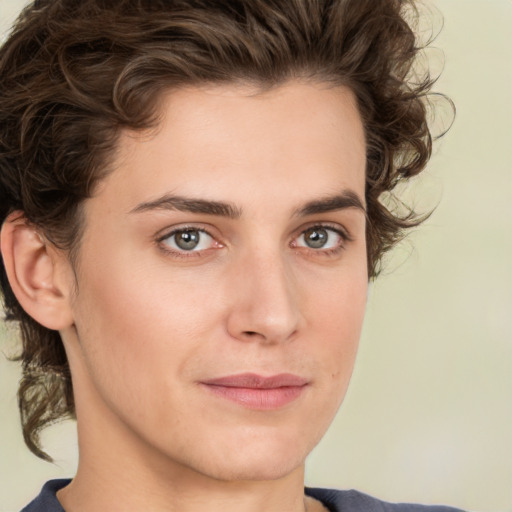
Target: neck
(88,493)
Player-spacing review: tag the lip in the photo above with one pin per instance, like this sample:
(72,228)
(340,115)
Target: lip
(258,392)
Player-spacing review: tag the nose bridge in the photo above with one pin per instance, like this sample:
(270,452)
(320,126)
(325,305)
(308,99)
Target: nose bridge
(266,305)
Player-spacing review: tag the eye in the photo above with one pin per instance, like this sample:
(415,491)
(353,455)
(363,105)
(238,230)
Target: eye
(188,240)
(321,237)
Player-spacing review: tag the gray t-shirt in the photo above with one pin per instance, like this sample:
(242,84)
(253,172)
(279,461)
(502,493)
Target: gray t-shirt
(335,501)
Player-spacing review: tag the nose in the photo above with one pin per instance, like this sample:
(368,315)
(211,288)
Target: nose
(264,303)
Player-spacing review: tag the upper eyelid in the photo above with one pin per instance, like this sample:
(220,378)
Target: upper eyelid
(341,230)
(169,231)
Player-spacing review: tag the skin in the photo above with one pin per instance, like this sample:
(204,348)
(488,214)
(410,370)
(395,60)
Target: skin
(150,322)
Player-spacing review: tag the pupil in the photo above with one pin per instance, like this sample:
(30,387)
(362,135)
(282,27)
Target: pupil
(187,240)
(316,237)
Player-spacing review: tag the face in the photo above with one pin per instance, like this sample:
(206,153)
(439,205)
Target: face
(222,281)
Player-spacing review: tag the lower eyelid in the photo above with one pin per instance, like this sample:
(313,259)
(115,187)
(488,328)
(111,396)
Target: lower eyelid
(343,236)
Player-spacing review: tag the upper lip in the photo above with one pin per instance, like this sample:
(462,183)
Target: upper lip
(255,381)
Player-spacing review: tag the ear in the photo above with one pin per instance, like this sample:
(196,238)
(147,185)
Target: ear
(39,274)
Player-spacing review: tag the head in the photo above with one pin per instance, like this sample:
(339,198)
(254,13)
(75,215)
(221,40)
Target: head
(80,81)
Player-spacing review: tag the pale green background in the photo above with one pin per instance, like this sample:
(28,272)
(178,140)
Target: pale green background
(428,416)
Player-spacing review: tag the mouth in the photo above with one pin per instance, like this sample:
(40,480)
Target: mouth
(257,392)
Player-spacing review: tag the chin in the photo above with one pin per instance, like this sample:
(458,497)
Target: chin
(257,461)
(269,468)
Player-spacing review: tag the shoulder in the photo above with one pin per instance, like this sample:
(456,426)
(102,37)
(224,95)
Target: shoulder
(355,501)
(47,500)
(334,500)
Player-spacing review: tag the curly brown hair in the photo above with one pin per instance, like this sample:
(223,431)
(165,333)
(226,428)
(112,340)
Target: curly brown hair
(74,73)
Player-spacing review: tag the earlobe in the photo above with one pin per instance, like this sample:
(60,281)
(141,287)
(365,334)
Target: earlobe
(35,272)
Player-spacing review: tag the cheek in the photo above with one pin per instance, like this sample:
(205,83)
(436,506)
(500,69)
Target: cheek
(137,323)
(336,316)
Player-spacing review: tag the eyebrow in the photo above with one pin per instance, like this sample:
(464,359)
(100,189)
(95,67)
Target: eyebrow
(347,199)
(191,205)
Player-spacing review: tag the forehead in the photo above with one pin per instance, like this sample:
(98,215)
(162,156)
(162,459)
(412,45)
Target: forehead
(236,139)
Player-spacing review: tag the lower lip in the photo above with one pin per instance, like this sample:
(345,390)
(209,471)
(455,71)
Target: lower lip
(258,398)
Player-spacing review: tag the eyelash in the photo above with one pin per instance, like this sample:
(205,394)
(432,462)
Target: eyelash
(183,253)
(344,236)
